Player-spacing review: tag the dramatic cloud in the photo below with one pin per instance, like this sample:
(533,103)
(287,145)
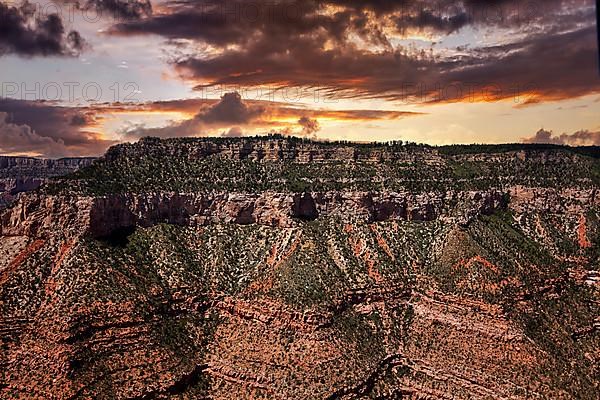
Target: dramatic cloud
(239,115)
(234,21)
(348,47)
(274,110)
(426,20)
(231,110)
(120,9)
(546,67)
(21,139)
(64,129)
(309,126)
(579,138)
(24,33)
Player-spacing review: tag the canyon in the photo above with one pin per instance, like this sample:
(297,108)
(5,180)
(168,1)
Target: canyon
(25,174)
(279,268)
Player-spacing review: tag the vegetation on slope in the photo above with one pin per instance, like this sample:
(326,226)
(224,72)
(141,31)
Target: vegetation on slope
(192,165)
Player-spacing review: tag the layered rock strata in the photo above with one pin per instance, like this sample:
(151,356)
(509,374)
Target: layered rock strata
(41,215)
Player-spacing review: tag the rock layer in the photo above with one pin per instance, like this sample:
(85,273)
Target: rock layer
(40,215)
(25,174)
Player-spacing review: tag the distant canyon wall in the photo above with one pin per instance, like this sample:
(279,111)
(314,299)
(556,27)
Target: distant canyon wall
(25,174)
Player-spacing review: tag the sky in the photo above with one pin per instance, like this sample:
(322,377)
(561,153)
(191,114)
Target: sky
(79,76)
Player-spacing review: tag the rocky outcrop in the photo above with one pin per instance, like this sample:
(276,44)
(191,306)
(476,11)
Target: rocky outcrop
(11,187)
(39,215)
(550,200)
(274,149)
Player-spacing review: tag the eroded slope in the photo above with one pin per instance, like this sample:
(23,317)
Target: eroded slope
(285,269)
(323,310)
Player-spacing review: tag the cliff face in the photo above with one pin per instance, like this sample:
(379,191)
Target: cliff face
(61,165)
(564,201)
(25,174)
(17,185)
(281,149)
(40,215)
(454,293)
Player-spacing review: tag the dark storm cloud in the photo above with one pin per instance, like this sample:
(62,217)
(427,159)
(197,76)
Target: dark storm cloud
(119,9)
(311,44)
(182,23)
(17,138)
(45,118)
(235,113)
(309,126)
(300,62)
(427,20)
(65,129)
(24,33)
(579,138)
(555,67)
(27,30)
(235,21)
(79,120)
(231,110)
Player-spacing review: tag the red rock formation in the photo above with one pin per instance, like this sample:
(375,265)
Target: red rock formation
(321,295)
(36,215)
(584,242)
